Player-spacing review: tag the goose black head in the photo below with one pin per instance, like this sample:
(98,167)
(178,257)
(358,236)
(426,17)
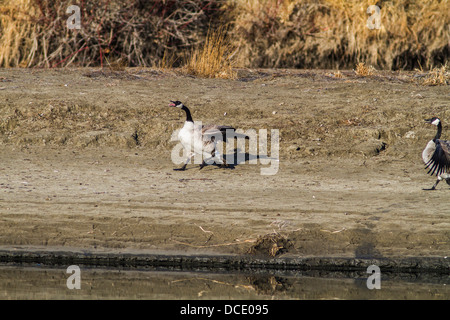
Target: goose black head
(177,104)
(435,121)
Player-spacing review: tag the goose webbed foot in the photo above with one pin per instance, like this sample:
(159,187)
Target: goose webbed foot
(180,169)
(225,165)
(434,186)
(430,189)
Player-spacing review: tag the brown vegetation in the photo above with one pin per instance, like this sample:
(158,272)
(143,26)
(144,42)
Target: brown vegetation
(363,70)
(34,32)
(334,34)
(438,76)
(214,59)
(269,33)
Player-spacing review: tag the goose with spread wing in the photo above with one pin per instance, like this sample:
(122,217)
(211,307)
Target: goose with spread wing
(436,155)
(201,139)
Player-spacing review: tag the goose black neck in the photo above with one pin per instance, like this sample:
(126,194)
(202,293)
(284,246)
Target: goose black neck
(439,131)
(188,114)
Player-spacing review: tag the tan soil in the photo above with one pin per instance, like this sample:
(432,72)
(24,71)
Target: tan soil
(85,163)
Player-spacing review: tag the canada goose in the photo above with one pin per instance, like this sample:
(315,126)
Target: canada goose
(436,155)
(200,139)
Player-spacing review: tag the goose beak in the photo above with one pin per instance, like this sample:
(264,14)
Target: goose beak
(172,103)
(428,120)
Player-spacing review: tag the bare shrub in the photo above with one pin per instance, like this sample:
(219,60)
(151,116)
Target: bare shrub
(34,32)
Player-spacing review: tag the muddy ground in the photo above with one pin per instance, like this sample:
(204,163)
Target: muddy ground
(85,163)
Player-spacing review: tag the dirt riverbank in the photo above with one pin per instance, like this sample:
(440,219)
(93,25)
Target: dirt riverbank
(85,163)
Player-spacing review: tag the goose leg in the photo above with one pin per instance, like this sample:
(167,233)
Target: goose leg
(204,160)
(224,164)
(185,164)
(446,177)
(435,184)
(222,161)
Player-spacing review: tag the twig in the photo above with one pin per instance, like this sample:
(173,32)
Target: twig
(200,179)
(205,231)
(334,231)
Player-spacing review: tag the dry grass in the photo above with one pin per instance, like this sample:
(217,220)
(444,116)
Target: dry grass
(438,76)
(34,33)
(333,34)
(271,245)
(214,59)
(167,61)
(338,74)
(363,70)
(117,65)
(17,32)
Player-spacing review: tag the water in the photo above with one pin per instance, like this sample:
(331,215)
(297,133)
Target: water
(43,282)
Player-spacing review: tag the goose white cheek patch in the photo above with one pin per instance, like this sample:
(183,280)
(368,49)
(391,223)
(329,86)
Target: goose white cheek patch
(435,122)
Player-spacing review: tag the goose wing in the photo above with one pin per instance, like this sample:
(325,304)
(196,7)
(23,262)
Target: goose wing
(214,131)
(440,160)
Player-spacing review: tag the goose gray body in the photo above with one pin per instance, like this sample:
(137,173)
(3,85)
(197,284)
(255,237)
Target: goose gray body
(200,139)
(436,155)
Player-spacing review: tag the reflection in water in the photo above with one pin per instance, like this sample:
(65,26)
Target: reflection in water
(18,282)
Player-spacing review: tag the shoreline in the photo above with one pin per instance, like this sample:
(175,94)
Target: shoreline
(220,262)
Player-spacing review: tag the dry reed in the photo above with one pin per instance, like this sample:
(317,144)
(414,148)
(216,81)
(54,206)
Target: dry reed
(329,34)
(214,59)
(363,70)
(17,33)
(333,34)
(438,76)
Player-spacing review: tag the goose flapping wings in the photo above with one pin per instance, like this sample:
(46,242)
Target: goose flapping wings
(439,159)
